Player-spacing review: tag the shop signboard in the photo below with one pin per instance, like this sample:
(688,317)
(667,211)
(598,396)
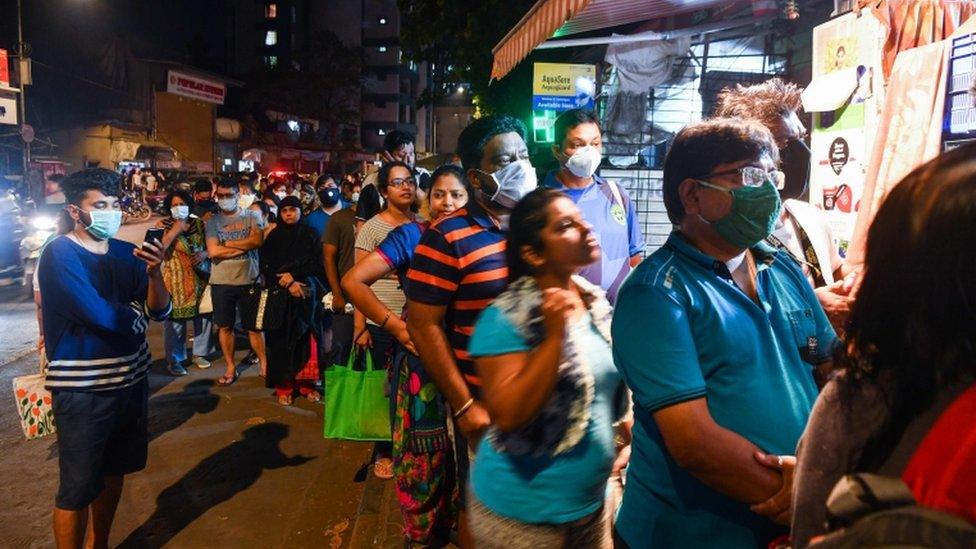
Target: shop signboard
(4,69)
(196,87)
(563,86)
(841,140)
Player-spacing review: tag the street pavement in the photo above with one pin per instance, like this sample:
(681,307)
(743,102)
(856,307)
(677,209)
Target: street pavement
(228,467)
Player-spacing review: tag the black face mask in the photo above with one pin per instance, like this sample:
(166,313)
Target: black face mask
(329,197)
(795,159)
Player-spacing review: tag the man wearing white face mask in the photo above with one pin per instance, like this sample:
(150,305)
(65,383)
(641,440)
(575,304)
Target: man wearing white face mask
(233,238)
(605,206)
(247,196)
(459,267)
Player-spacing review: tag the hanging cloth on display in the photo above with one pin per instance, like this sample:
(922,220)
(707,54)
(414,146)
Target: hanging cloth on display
(914,23)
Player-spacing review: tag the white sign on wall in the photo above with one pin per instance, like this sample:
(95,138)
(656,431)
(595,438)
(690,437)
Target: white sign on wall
(8,109)
(196,87)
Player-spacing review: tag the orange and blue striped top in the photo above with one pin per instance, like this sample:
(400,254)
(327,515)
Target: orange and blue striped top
(459,264)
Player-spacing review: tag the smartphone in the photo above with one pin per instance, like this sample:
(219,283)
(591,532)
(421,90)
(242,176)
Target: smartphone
(156,233)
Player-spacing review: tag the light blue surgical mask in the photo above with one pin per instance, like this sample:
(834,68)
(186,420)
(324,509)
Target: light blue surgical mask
(180,212)
(228,204)
(104,223)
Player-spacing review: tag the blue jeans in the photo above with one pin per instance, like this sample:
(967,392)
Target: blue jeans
(174,338)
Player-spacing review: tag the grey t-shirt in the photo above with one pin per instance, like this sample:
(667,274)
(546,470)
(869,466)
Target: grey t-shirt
(243,269)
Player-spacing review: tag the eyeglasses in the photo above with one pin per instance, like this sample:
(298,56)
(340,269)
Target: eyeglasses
(401,181)
(753,176)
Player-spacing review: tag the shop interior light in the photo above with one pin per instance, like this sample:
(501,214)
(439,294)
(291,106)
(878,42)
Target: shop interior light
(382,20)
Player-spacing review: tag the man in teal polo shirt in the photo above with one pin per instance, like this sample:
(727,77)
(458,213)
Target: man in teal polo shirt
(605,205)
(718,336)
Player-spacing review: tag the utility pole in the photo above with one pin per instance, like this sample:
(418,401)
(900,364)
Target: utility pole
(23,64)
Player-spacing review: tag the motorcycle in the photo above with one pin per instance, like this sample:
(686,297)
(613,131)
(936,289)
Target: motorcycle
(11,232)
(134,208)
(40,226)
(156,202)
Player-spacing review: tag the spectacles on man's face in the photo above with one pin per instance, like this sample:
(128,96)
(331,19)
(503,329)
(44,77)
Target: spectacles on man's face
(752,176)
(401,181)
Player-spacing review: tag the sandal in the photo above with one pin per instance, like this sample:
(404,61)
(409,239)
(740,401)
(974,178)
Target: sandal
(383,468)
(228,381)
(285,400)
(314,397)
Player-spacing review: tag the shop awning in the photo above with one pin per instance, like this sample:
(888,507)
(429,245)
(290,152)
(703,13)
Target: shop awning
(556,18)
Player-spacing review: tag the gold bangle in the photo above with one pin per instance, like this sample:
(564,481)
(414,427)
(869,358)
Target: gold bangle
(461,411)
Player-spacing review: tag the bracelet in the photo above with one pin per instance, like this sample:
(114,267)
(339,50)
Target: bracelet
(385,319)
(461,411)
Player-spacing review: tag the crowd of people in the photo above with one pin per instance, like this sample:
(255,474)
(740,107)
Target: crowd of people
(539,365)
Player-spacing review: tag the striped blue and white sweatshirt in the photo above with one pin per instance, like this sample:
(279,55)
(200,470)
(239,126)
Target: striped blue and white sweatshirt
(94,309)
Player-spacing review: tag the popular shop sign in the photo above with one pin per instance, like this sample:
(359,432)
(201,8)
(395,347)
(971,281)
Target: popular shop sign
(562,86)
(196,87)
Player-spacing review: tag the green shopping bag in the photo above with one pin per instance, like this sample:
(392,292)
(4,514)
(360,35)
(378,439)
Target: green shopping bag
(355,406)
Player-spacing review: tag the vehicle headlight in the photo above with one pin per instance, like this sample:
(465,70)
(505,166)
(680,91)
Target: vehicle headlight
(44,223)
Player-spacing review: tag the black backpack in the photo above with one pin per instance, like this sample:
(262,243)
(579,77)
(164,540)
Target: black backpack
(870,510)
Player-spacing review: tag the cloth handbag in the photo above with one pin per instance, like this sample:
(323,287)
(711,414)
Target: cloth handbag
(34,404)
(206,301)
(264,309)
(355,407)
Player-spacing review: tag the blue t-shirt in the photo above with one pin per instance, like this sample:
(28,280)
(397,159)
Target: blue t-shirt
(548,490)
(95,316)
(398,246)
(317,220)
(615,226)
(683,330)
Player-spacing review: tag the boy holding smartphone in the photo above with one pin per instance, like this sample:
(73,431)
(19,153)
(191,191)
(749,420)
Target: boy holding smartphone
(98,293)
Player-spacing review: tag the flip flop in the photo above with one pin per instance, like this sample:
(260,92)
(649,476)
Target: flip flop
(223,380)
(313,397)
(285,400)
(383,468)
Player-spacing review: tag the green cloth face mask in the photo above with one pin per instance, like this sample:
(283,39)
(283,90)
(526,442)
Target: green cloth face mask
(753,215)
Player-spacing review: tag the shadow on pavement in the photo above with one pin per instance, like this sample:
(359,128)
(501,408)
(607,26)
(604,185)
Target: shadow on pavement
(216,479)
(169,411)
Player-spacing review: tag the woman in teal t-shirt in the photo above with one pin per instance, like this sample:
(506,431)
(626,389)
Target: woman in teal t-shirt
(542,350)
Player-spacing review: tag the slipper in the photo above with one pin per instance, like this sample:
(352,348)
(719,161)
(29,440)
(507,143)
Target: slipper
(285,400)
(227,382)
(383,468)
(314,397)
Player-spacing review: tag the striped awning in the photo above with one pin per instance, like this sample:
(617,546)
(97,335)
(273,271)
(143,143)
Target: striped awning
(556,18)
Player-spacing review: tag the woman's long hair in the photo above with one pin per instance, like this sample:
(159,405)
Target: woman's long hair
(529,217)
(912,329)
